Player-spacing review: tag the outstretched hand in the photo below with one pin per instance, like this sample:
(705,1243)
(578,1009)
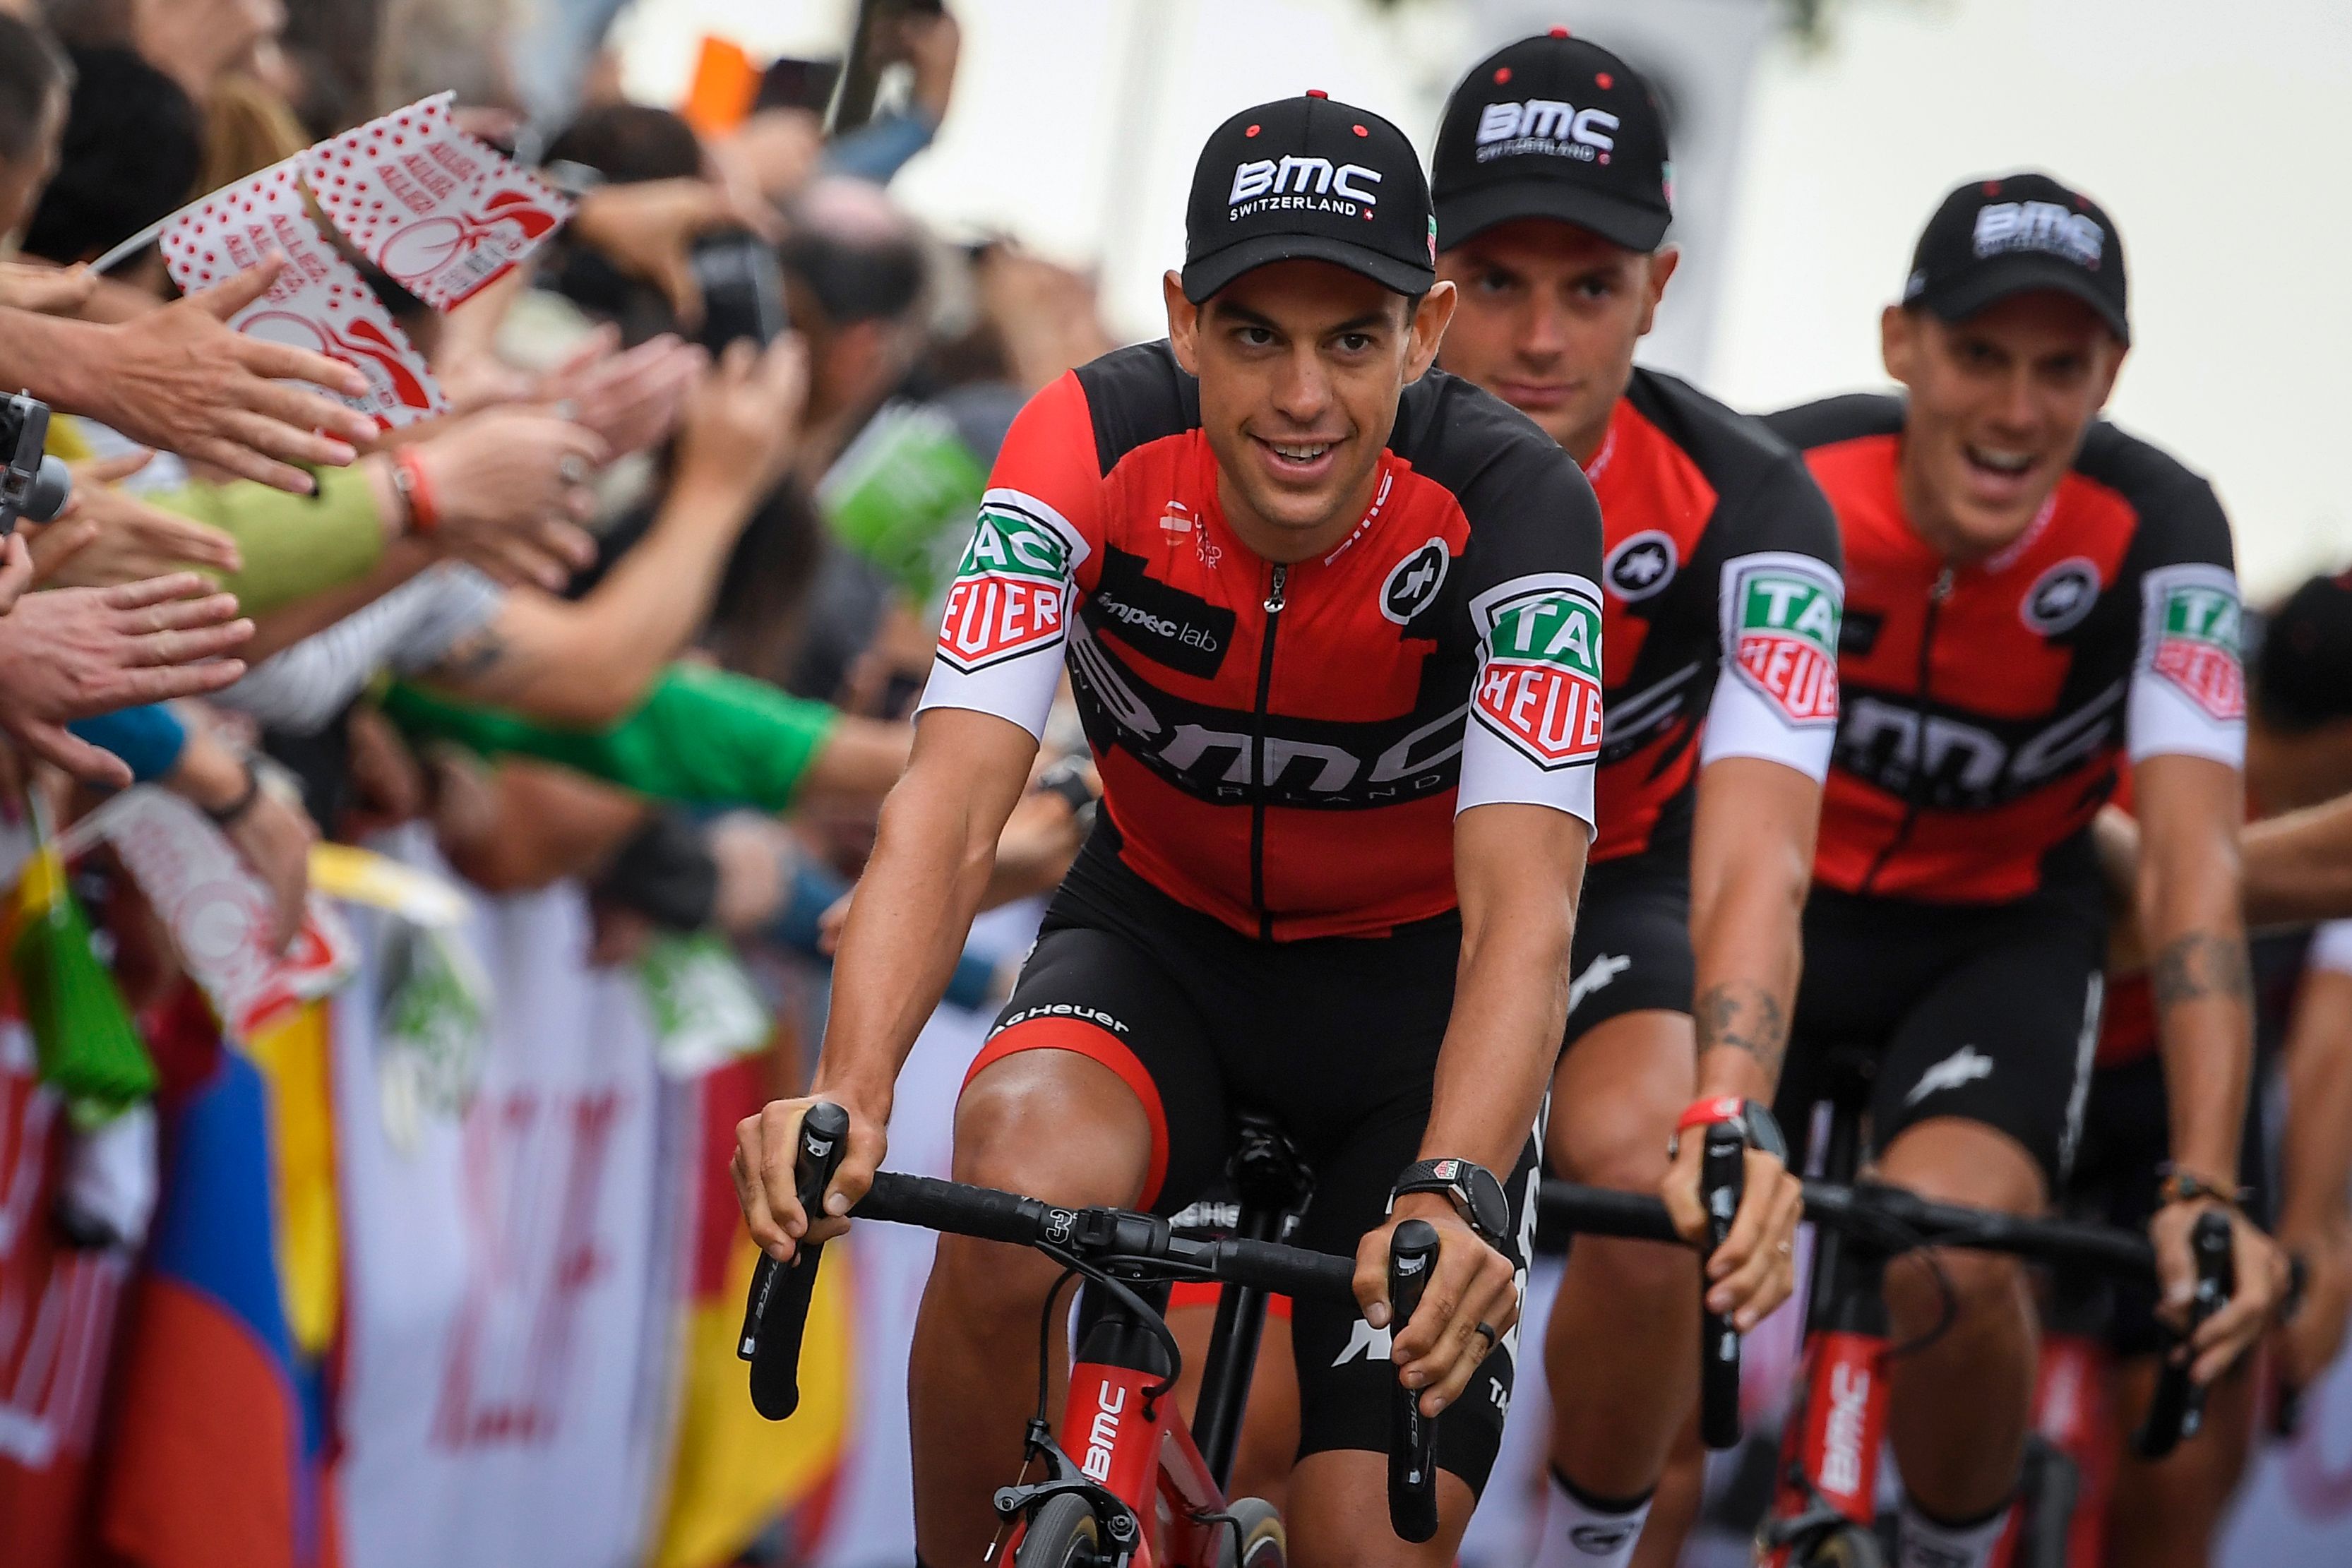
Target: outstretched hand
(77,653)
(178,379)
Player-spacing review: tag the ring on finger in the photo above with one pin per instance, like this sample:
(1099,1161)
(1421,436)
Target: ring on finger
(1786,1249)
(574,468)
(1492,1338)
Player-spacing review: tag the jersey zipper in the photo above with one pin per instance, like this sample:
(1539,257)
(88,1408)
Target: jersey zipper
(1274,604)
(1938,593)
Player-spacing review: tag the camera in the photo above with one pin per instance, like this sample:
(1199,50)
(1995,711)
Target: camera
(32,484)
(742,291)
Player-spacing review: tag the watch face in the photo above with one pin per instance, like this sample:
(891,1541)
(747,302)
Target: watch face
(1490,1209)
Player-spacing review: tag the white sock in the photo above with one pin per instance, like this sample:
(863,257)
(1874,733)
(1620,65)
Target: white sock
(1579,1534)
(1926,1542)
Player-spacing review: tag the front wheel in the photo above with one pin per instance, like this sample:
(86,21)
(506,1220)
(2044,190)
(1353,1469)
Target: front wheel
(1258,1531)
(1062,1534)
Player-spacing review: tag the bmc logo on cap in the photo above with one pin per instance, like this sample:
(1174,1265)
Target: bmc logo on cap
(2006,226)
(1302,177)
(1544,125)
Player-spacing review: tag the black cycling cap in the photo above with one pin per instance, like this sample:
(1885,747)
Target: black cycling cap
(1993,239)
(1554,127)
(2302,671)
(1308,178)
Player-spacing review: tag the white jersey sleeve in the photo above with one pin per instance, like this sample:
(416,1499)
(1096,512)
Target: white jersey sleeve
(1534,730)
(1001,638)
(2187,683)
(1777,696)
(2331,947)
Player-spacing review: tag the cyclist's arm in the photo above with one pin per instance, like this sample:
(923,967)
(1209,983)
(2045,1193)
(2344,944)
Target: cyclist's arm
(2315,1196)
(1751,861)
(2298,867)
(2196,937)
(934,850)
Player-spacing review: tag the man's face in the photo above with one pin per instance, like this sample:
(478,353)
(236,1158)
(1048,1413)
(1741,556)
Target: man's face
(1998,406)
(1548,318)
(1301,364)
(21,179)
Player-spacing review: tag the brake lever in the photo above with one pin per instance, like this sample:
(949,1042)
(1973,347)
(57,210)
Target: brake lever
(1723,1178)
(776,1313)
(1413,1436)
(2178,1410)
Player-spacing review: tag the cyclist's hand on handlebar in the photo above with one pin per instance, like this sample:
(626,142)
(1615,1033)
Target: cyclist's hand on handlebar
(2262,1276)
(1756,1268)
(1441,1349)
(767,1145)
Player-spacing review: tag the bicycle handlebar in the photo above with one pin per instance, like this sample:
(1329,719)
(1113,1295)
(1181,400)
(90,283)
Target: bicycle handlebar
(2178,1408)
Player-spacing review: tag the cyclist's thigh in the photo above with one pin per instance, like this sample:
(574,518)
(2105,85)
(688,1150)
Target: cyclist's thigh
(1095,995)
(1632,951)
(1866,960)
(1345,1381)
(2004,1038)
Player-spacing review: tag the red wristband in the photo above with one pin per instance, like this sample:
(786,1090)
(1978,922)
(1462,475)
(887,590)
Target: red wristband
(408,478)
(1708,1111)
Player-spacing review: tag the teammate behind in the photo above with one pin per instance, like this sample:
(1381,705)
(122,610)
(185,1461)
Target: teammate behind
(1332,627)
(1721,597)
(2030,594)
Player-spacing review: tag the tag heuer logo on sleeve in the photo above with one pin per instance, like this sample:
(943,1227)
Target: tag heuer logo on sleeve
(1007,597)
(2195,642)
(1786,623)
(1541,686)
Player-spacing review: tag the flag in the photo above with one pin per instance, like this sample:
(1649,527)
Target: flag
(217,1448)
(732,1473)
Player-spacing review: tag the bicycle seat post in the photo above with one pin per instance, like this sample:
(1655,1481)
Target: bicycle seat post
(1273,1184)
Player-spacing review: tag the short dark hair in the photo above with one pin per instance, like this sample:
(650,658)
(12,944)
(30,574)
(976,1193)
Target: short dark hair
(630,143)
(853,280)
(133,149)
(32,68)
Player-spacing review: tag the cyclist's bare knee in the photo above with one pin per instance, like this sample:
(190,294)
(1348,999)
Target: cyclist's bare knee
(1338,1514)
(1615,1095)
(1056,1125)
(1977,1289)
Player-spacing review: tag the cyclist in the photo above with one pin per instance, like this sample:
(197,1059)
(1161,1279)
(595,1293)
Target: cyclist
(1721,592)
(2030,594)
(1332,624)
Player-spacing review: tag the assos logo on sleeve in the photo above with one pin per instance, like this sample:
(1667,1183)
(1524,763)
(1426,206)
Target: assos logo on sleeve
(2195,638)
(1541,686)
(1007,596)
(1785,623)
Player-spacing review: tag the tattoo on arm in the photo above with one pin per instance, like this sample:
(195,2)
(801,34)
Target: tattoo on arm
(2202,965)
(473,657)
(1743,1016)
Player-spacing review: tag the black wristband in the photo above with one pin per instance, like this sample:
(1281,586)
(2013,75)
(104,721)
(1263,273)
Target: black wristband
(228,816)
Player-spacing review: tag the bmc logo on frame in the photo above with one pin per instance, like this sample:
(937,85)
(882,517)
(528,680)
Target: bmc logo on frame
(1545,125)
(1007,595)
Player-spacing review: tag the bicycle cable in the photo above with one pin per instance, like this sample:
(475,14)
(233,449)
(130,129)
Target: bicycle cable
(1895,1238)
(1151,1319)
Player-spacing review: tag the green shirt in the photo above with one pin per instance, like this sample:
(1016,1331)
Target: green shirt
(294,546)
(702,736)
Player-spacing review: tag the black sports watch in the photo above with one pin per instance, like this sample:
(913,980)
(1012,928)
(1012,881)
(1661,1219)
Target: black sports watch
(1478,1198)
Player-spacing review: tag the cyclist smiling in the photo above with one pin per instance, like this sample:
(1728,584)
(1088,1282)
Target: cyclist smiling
(1331,623)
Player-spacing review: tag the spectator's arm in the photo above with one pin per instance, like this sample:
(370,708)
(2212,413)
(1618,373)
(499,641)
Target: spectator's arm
(702,738)
(2298,867)
(589,663)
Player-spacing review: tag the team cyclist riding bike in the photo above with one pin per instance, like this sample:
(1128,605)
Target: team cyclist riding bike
(1331,622)
(2032,596)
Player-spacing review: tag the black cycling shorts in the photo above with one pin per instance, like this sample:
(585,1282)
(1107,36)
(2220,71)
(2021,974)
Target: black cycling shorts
(1633,946)
(1336,1038)
(1985,1011)
(2126,1138)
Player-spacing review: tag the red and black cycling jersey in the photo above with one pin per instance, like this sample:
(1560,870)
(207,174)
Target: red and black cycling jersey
(1722,597)
(1285,747)
(1986,707)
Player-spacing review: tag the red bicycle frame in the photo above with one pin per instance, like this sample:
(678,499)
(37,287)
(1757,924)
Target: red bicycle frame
(1140,1450)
